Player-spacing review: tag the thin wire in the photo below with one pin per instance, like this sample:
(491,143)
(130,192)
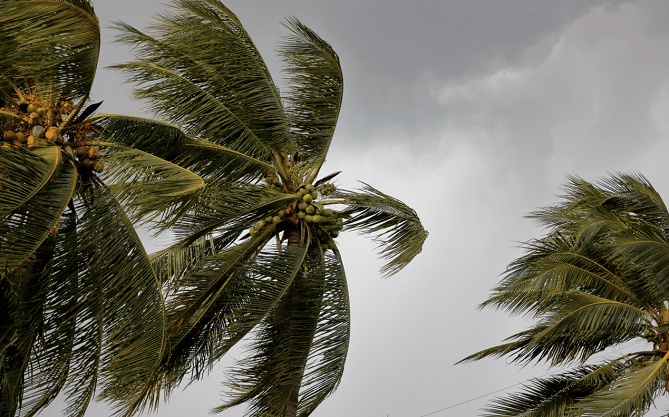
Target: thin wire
(484,395)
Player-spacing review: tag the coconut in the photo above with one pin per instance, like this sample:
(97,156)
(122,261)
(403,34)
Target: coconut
(327,213)
(31,109)
(276,181)
(261,224)
(268,219)
(87,164)
(30,141)
(317,218)
(309,187)
(334,233)
(93,154)
(310,210)
(21,137)
(301,215)
(308,218)
(9,136)
(99,167)
(80,152)
(302,206)
(276,219)
(308,198)
(52,134)
(281,214)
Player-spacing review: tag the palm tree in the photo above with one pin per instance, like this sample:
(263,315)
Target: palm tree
(256,252)
(595,284)
(81,310)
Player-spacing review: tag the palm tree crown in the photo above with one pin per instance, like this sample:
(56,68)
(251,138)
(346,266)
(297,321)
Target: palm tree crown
(81,309)
(598,279)
(256,244)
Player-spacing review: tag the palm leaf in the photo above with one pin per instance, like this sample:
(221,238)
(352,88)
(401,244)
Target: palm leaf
(54,41)
(25,312)
(329,348)
(26,228)
(631,394)
(220,90)
(397,227)
(148,186)
(23,173)
(553,396)
(166,141)
(222,300)
(270,378)
(315,92)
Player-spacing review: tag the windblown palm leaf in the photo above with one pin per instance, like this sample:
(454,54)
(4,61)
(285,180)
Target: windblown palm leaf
(256,252)
(595,281)
(81,306)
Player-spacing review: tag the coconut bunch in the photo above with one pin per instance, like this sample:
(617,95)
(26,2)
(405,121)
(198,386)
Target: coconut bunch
(325,223)
(36,121)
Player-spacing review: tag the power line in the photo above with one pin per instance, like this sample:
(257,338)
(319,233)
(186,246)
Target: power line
(481,396)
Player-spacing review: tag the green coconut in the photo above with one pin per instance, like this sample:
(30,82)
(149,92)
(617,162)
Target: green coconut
(317,218)
(276,219)
(308,218)
(268,219)
(309,187)
(301,215)
(308,198)
(327,213)
(310,210)
(302,206)
(261,224)
(334,233)
(281,214)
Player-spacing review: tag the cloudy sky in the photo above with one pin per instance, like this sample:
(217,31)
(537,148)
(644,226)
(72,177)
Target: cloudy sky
(473,113)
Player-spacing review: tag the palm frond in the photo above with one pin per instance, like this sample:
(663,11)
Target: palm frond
(398,230)
(270,378)
(220,90)
(150,188)
(325,365)
(54,41)
(23,305)
(218,303)
(315,92)
(554,265)
(23,173)
(553,396)
(631,394)
(22,232)
(166,141)
(131,309)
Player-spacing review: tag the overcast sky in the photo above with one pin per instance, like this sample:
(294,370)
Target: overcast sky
(473,113)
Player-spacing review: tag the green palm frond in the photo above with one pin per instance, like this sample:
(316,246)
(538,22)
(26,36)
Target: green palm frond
(631,394)
(223,299)
(272,375)
(397,227)
(168,142)
(125,299)
(23,174)
(150,188)
(54,351)
(325,365)
(316,87)
(553,396)
(24,302)
(552,266)
(22,232)
(220,90)
(55,41)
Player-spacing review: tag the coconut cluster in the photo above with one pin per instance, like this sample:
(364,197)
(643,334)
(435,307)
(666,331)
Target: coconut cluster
(325,223)
(38,124)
